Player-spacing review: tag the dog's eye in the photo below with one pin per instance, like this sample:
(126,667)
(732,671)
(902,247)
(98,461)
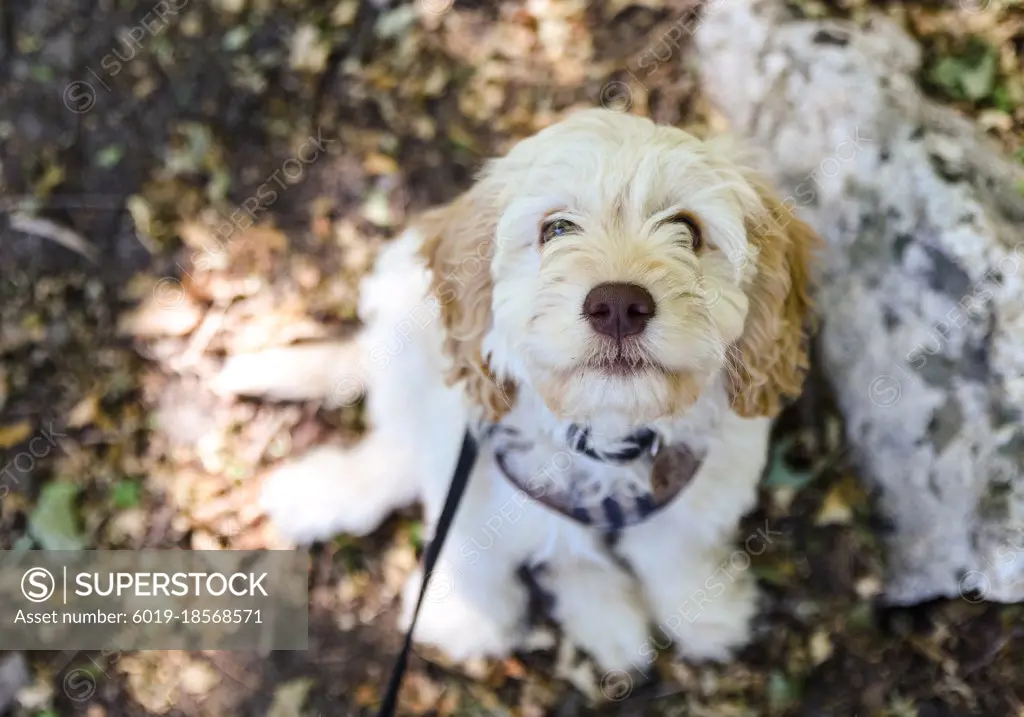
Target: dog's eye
(556,228)
(687,220)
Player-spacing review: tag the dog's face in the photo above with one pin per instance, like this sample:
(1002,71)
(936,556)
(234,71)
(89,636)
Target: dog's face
(617,267)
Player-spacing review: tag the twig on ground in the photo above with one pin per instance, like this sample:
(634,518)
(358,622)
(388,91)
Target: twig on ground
(48,229)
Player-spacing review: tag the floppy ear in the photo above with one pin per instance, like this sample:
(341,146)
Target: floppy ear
(458,248)
(770,357)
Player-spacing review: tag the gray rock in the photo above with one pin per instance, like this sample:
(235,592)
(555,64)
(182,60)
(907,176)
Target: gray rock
(14,676)
(922,287)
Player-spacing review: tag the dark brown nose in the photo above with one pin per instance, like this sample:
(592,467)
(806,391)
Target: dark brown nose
(618,310)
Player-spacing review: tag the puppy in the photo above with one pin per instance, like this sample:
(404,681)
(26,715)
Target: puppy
(617,310)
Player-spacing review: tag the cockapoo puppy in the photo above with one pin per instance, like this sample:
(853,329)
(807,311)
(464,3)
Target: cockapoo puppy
(617,309)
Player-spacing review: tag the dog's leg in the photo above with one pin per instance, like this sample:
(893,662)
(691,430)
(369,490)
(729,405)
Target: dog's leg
(600,610)
(413,434)
(329,371)
(332,490)
(416,421)
(408,455)
(699,587)
(702,601)
(473,611)
(475,605)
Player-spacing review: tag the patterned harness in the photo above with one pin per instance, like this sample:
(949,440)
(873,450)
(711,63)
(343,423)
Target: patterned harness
(671,468)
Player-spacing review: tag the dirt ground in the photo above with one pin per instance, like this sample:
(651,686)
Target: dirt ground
(131,132)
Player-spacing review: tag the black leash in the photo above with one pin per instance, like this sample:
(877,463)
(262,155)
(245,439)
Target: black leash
(463,468)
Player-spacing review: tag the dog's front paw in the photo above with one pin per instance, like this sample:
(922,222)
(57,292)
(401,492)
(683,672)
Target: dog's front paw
(716,624)
(602,615)
(293,497)
(332,490)
(614,633)
(458,620)
(325,492)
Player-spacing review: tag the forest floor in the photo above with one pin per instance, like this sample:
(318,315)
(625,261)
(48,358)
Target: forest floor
(115,172)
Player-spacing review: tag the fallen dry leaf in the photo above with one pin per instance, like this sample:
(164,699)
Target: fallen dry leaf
(196,235)
(835,510)
(820,647)
(14,433)
(289,698)
(84,411)
(168,312)
(377,163)
(448,704)
(367,695)
(420,694)
(309,51)
(515,669)
(198,677)
(868,587)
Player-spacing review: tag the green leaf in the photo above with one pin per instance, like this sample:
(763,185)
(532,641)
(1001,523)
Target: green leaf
(127,494)
(1002,100)
(782,692)
(377,210)
(861,617)
(946,74)
(235,38)
(416,534)
(42,73)
(969,76)
(780,475)
(110,156)
(979,80)
(219,184)
(54,521)
(773,575)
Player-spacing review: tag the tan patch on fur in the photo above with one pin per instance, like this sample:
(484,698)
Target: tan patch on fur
(684,390)
(681,391)
(458,247)
(769,362)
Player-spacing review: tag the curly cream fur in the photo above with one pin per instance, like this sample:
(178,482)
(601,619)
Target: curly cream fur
(757,255)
